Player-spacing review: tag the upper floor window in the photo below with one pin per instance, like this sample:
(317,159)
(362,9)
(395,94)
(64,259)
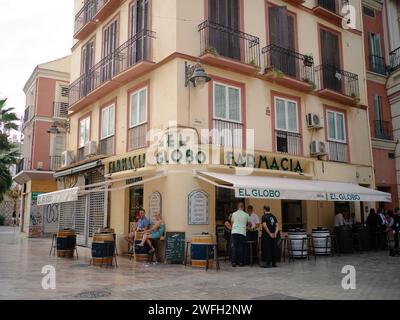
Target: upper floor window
(288,138)
(107,121)
(369,12)
(227,103)
(286,115)
(138,119)
(84,131)
(336,126)
(227,116)
(138,108)
(376,61)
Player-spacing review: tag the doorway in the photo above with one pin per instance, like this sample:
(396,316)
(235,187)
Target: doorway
(135,204)
(292,215)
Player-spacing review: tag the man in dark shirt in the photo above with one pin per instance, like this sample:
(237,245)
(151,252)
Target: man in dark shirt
(269,233)
(396,228)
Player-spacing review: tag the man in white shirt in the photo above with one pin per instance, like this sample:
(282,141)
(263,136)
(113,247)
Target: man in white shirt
(252,232)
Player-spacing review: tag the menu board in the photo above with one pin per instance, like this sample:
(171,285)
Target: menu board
(154,205)
(175,247)
(198,208)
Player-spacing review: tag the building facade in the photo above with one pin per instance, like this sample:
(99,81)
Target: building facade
(286,107)
(46,93)
(377,47)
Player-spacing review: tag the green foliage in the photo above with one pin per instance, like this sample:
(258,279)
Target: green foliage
(8,151)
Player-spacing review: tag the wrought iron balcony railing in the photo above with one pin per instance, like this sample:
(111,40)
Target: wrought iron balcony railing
(133,51)
(86,14)
(394,59)
(333,78)
(107,146)
(333,5)
(337,151)
(227,133)
(23,164)
(377,64)
(28,114)
(383,130)
(60,109)
(55,163)
(288,142)
(291,63)
(223,41)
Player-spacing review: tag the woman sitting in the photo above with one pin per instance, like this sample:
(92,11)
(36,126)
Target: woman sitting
(156,232)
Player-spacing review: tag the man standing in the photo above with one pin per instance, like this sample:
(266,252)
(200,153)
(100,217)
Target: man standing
(396,229)
(240,220)
(252,233)
(269,233)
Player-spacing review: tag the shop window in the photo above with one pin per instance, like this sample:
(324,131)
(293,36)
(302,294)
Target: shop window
(288,138)
(227,116)
(292,215)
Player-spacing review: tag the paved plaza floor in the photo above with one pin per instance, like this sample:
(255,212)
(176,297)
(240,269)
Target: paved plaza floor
(22,260)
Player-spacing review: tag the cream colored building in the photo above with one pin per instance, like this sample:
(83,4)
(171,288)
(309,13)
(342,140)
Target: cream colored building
(271,64)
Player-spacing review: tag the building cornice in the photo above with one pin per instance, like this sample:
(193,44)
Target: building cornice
(46,73)
(383,144)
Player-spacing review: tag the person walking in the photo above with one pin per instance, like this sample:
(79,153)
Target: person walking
(270,231)
(240,221)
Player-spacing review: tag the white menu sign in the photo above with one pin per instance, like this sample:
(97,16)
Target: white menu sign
(198,208)
(154,205)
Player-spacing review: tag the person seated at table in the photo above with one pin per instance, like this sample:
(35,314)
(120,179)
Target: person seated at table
(156,232)
(142,225)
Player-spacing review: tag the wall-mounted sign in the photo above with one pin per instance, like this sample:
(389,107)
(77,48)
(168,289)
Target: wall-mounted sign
(198,208)
(155,205)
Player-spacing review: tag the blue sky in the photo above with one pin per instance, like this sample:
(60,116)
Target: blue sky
(31,32)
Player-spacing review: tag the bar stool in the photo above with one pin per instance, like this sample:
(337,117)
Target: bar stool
(53,247)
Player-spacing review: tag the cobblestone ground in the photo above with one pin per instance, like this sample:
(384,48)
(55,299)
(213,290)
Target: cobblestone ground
(22,259)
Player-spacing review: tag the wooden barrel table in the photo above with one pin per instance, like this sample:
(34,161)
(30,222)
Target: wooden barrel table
(321,241)
(200,242)
(297,243)
(66,243)
(141,253)
(103,248)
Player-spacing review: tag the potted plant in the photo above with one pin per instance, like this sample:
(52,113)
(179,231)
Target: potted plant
(212,50)
(274,72)
(308,60)
(312,84)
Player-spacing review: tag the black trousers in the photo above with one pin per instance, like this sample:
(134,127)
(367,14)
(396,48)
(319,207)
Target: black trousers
(268,250)
(396,239)
(252,236)
(238,242)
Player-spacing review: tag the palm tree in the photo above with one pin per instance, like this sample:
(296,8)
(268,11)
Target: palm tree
(8,151)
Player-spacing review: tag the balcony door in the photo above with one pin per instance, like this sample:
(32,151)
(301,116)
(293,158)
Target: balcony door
(223,36)
(110,40)
(282,40)
(87,65)
(375,51)
(138,30)
(330,52)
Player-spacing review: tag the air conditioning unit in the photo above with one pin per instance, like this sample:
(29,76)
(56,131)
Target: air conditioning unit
(318,148)
(90,148)
(314,120)
(67,157)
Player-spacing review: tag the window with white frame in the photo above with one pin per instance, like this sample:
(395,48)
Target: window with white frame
(107,121)
(286,117)
(138,108)
(84,131)
(227,103)
(336,126)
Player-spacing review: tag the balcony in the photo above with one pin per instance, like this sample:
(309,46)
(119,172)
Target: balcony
(288,142)
(377,64)
(23,164)
(294,2)
(60,110)
(336,84)
(330,10)
(383,130)
(129,61)
(55,163)
(231,49)
(337,151)
(394,59)
(227,133)
(81,154)
(107,146)
(289,68)
(137,137)
(93,12)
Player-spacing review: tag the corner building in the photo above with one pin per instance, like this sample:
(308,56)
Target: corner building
(271,64)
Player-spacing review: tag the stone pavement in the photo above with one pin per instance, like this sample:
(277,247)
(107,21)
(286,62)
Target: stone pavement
(22,259)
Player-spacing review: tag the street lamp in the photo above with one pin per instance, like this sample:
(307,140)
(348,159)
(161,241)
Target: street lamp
(196,75)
